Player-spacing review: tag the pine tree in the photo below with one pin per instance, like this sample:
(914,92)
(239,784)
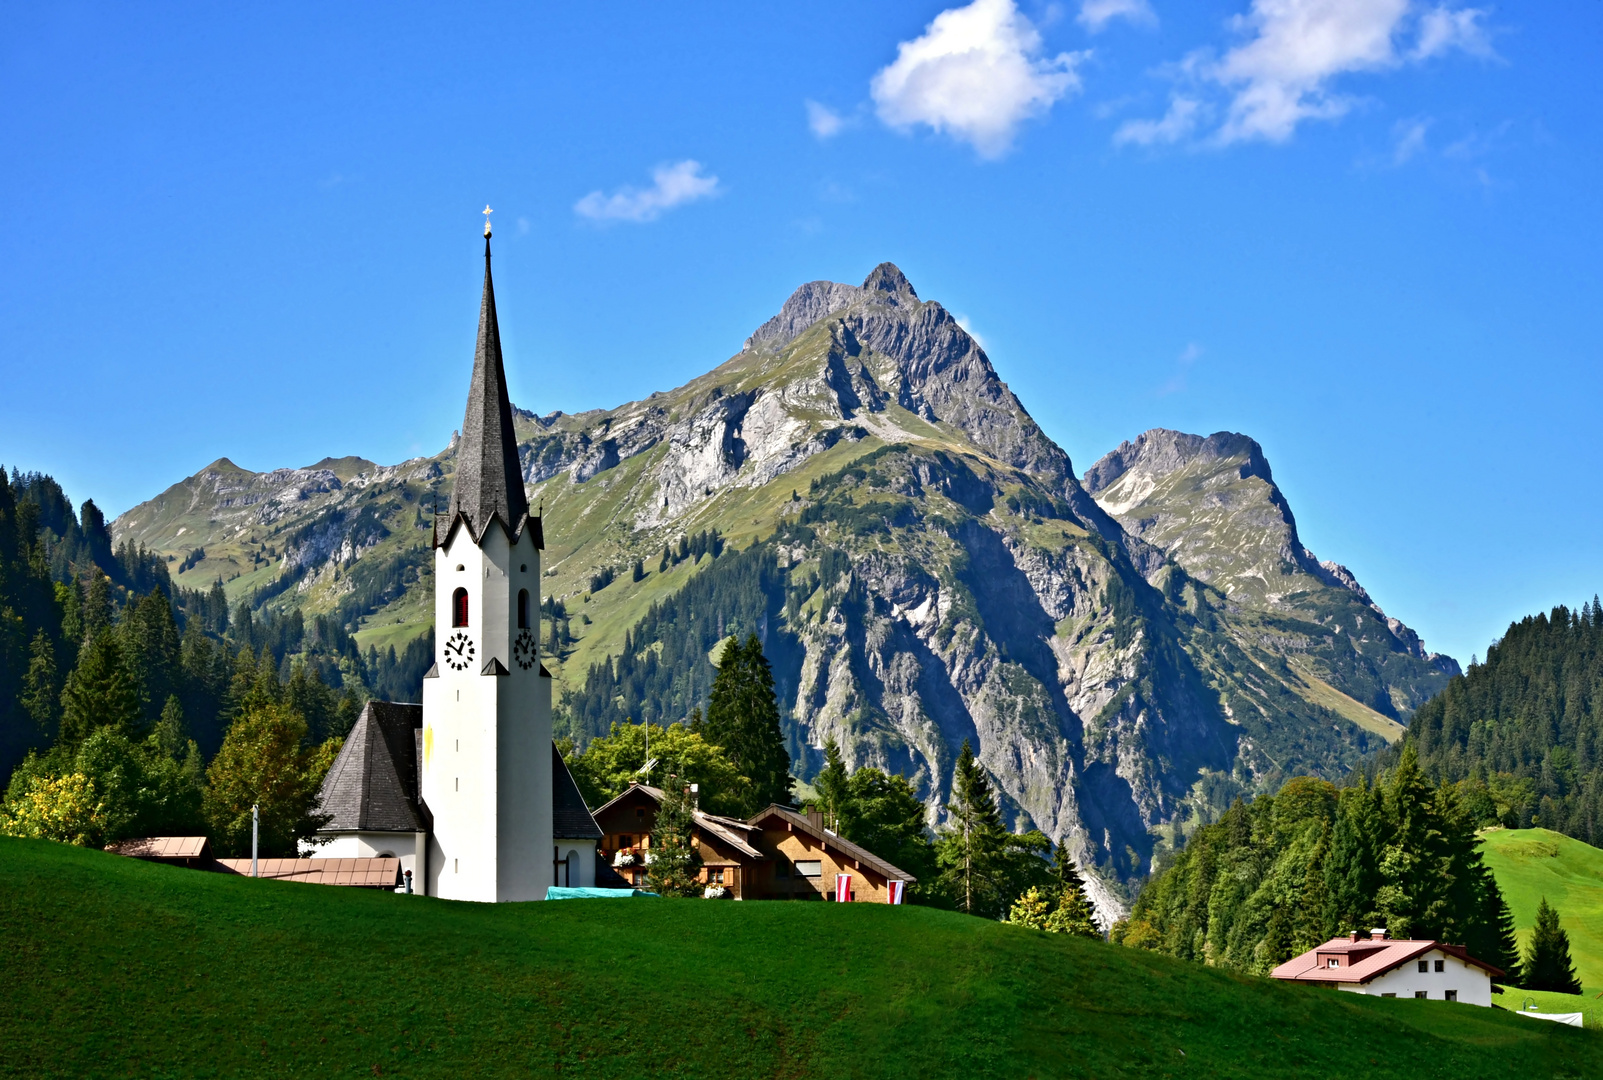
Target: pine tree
(1352,866)
(99,692)
(970,848)
(675,862)
(743,719)
(1547,963)
(638,571)
(833,784)
(1506,953)
(662,566)
(1074,913)
(41,692)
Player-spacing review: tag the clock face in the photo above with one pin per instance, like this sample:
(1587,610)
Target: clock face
(524,651)
(458,651)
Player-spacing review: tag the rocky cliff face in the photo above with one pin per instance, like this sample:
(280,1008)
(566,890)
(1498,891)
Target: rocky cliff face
(1126,654)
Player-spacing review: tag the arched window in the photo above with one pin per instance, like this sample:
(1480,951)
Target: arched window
(573,869)
(523,609)
(459,608)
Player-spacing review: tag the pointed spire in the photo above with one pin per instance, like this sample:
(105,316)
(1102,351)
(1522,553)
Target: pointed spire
(488,478)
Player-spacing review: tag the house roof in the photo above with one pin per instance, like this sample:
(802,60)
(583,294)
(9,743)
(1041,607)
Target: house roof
(839,843)
(489,480)
(373,783)
(363,873)
(162,847)
(731,831)
(1365,959)
(570,817)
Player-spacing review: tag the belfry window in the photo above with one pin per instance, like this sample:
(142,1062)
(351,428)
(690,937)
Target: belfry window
(523,609)
(459,608)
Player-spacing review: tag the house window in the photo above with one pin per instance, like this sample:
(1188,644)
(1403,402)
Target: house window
(1421,995)
(459,608)
(573,868)
(715,875)
(523,609)
(1424,965)
(1388,995)
(1441,965)
(1451,995)
(1333,962)
(809,868)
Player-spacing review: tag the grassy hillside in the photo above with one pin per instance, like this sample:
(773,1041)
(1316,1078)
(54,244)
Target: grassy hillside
(114,967)
(1533,863)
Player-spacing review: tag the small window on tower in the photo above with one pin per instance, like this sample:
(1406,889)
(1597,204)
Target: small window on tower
(459,608)
(523,609)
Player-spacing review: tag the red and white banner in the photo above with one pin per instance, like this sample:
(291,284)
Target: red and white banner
(843,888)
(896,890)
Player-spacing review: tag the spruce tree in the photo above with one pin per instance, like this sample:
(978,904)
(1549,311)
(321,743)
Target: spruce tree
(1547,963)
(1074,913)
(833,784)
(1506,953)
(638,571)
(41,690)
(674,862)
(970,847)
(99,693)
(743,719)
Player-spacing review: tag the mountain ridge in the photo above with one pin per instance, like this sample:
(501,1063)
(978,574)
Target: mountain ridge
(921,559)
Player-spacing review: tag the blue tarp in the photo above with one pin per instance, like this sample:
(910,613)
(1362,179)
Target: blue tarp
(557,892)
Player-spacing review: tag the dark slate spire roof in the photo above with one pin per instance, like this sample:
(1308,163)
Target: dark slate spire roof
(488,479)
(570,817)
(372,785)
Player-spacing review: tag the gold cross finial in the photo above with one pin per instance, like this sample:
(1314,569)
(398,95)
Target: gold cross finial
(487,213)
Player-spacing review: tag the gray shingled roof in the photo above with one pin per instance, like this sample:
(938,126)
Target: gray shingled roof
(372,786)
(489,481)
(570,817)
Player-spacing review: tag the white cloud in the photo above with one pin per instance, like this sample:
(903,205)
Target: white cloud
(1284,72)
(968,328)
(976,73)
(1179,122)
(1176,383)
(822,120)
(1281,76)
(1408,139)
(1441,30)
(1096,14)
(673,185)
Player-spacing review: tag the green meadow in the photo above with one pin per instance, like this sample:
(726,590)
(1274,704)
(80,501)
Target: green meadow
(113,967)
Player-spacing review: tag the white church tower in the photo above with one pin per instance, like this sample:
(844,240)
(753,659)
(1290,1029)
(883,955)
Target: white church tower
(486,758)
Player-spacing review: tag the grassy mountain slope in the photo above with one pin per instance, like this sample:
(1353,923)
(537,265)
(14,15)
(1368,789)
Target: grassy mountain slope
(922,563)
(115,967)
(1533,863)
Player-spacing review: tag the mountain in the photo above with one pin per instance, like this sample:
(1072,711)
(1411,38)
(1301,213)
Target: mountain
(860,488)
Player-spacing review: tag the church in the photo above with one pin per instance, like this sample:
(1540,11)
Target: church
(467,789)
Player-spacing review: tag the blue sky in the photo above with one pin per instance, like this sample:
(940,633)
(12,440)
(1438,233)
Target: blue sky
(1364,232)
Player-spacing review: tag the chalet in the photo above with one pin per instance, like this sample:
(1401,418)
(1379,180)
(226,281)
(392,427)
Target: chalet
(725,844)
(777,854)
(1383,967)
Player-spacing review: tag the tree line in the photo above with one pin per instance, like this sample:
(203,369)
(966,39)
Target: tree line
(1525,726)
(1285,873)
(129,706)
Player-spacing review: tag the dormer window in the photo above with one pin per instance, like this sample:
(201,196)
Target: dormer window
(1333,962)
(459,608)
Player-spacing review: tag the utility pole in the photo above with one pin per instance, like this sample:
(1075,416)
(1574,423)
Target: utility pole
(255,823)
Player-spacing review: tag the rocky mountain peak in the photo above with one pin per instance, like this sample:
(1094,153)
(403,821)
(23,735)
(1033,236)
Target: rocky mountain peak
(887,278)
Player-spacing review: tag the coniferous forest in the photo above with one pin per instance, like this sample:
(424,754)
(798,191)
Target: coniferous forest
(1273,878)
(119,690)
(1524,727)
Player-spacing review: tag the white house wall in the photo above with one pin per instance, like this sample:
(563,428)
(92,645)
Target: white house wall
(1474,986)
(581,855)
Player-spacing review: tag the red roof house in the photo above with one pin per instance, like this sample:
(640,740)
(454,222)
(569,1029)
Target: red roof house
(1384,967)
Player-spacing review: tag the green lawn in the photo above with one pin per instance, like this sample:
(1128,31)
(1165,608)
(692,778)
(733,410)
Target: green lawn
(112,967)
(1533,863)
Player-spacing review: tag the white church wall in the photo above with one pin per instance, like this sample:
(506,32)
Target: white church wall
(579,857)
(374,845)
(486,742)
